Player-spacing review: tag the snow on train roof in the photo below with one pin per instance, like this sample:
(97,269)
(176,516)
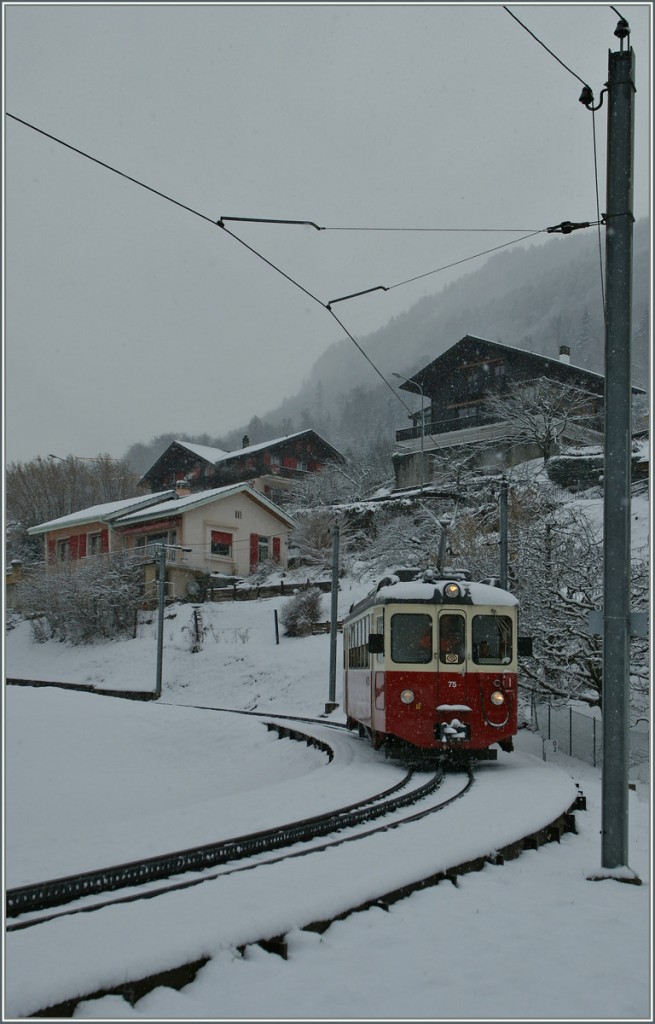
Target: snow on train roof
(480,593)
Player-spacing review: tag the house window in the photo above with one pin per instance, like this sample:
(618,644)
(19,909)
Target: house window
(221,543)
(64,550)
(302,465)
(262,549)
(275,460)
(466,412)
(95,543)
(238,514)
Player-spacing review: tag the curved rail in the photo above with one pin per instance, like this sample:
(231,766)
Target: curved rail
(176,886)
(59,891)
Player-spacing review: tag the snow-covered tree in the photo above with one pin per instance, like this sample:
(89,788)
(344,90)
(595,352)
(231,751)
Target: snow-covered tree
(365,470)
(543,413)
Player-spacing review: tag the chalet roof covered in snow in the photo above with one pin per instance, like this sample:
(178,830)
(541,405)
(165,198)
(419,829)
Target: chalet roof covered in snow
(178,505)
(471,346)
(107,512)
(216,457)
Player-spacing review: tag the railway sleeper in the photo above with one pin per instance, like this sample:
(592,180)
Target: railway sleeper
(285,732)
(131,991)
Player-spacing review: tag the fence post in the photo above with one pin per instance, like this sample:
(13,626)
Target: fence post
(277,629)
(549,721)
(570,732)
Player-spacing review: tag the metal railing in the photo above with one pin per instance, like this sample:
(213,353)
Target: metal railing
(581,735)
(445,426)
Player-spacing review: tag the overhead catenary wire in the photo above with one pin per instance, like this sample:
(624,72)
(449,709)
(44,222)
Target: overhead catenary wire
(587,100)
(110,167)
(369,360)
(548,50)
(216,223)
(466,259)
(495,231)
(327,227)
(220,224)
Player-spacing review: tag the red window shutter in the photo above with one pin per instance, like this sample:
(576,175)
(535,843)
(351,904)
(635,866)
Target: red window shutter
(74,548)
(52,548)
(82,545)
(104,541)
(276,549)
(254,551)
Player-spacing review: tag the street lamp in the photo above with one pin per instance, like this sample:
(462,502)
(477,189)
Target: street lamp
(417,385)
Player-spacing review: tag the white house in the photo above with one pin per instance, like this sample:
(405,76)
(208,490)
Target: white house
(228,530)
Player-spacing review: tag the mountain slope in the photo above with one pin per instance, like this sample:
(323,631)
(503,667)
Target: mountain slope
(535,297)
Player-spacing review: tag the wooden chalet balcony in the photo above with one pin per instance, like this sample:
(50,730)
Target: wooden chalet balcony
(587,429)
(446,426)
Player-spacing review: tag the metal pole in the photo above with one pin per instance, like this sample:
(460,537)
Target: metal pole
(422,475)
(332,704)
(616,511)
(594,757)
(160,619)
(503,532)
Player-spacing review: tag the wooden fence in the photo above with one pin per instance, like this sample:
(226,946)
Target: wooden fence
(253,593)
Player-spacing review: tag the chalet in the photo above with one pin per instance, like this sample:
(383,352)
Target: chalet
(271,467)
(226,532)
(453,389)
(89,531)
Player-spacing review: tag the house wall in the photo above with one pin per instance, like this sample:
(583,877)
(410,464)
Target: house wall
(240,517)
(80,542)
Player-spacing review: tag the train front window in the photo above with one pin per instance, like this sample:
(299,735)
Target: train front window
(492,639)
(411,639)
(452,636)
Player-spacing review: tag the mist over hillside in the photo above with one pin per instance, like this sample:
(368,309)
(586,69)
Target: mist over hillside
(535,297)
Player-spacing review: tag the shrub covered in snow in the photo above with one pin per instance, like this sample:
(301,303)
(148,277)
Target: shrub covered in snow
(300,611)
(83,604)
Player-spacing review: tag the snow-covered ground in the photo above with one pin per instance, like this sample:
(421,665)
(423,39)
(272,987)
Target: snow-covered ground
(91,780)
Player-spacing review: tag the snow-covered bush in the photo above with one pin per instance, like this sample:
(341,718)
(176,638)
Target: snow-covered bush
(300,611)
(97,600)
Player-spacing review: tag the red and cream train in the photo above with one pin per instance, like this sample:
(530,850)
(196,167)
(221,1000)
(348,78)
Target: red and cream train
(432,663)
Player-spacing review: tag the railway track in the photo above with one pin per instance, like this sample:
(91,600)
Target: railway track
(346,825)
(53,893)
(275,943)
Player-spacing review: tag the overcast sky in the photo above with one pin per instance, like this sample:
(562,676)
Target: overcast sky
(128,316)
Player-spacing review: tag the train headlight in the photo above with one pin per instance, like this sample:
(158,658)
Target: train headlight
(407,696)
(452,591)
(497,698)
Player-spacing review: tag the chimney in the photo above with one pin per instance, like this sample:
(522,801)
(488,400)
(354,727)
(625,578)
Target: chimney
(245,441)
(564,354)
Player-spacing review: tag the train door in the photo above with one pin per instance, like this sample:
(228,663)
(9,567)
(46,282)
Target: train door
(378,694)
(452,656)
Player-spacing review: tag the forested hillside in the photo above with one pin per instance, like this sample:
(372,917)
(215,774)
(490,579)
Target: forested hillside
(534,297)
